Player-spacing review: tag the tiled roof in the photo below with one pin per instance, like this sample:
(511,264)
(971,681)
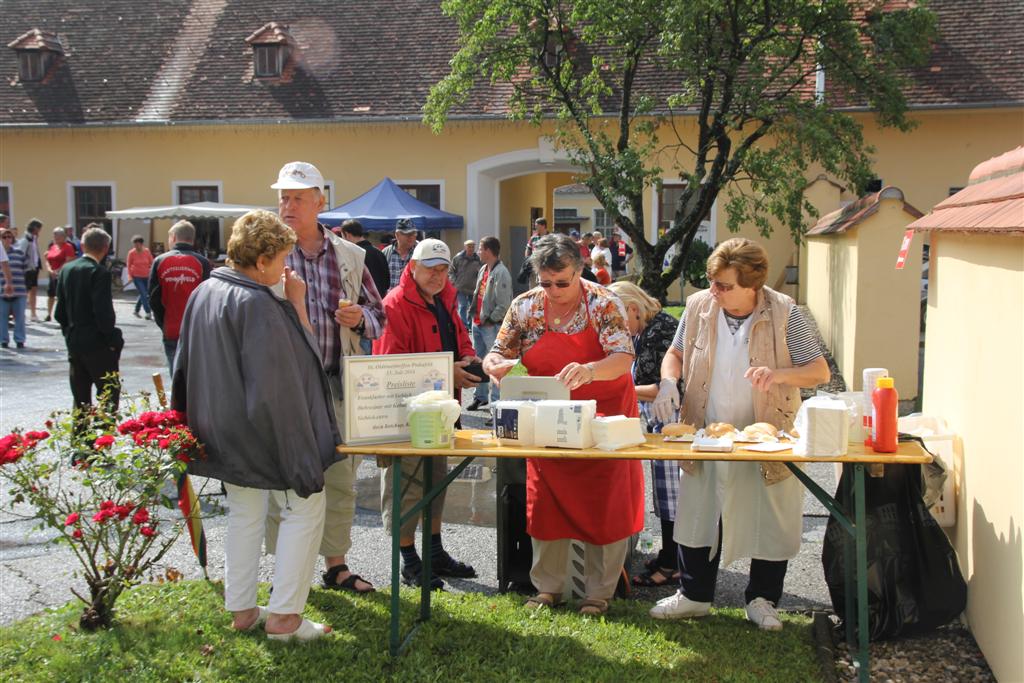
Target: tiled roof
(188,60)
(841,220)
(992,203)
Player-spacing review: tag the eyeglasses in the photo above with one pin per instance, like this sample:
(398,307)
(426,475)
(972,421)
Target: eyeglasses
(720,286)
(561,284)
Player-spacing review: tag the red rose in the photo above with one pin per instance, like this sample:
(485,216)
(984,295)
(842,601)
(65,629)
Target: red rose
(76,534)
(130,426)
(71,519)
(37,436)
(103,441)
(174,417)
(147,531)
(122,511)
(49,424)
(107,505)
(102,516)
(141,516)
(184,457)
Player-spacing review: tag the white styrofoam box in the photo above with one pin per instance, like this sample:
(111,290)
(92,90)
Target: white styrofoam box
(617,431)
(564,424)
(824,427)
(941,443)
(514,422)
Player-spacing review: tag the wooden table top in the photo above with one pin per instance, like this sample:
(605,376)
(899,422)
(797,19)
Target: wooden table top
(909,453)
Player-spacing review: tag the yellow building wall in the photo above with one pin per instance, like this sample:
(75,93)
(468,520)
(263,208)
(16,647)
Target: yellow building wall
(888,317)
(831,275)
(974,378)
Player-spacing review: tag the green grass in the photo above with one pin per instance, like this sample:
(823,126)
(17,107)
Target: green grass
(179,632)
(674,311)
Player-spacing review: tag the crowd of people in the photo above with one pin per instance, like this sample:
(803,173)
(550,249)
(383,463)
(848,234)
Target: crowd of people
(272,326)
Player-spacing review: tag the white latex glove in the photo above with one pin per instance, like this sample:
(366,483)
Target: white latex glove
(666,403)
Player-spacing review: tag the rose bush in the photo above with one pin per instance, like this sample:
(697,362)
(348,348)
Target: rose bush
(99,488)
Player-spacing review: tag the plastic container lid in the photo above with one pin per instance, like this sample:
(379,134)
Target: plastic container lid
(885,383)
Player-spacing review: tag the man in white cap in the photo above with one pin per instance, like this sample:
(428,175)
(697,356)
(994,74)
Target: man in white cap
(344,306)
(423,317)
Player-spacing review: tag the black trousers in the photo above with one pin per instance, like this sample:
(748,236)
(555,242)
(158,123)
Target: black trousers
(93,369)
(699,574)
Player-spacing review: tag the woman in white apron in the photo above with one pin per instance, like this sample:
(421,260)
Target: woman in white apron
(743,351)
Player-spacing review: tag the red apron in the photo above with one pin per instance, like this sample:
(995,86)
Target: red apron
(596,501)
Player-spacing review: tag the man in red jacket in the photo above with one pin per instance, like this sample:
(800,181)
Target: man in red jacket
(422,315)
(173,277)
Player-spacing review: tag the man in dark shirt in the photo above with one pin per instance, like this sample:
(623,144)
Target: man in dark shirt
(172,279)
(85,311)
(376,263)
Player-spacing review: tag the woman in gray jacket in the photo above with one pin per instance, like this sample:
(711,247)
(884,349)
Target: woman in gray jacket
(250,378)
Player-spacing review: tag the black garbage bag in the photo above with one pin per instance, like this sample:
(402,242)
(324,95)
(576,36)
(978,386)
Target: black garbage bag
(914,582)
(523,277)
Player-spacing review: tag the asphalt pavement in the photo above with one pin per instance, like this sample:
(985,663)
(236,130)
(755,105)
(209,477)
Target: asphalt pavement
(36,574)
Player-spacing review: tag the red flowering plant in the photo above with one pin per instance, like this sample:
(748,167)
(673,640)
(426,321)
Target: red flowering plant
(97,485)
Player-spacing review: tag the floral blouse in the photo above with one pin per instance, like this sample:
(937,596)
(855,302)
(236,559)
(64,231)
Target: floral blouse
(524,323)
(651,344)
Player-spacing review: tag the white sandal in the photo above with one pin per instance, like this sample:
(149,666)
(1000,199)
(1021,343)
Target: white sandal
(307,631)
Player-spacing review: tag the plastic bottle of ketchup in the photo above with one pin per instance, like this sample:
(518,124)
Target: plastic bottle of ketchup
(884,410)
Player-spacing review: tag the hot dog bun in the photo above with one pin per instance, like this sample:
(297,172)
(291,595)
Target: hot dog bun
(717,429)
(761,431)
(678,429)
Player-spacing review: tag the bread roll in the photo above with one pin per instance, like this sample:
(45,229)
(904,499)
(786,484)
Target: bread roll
(761,431)
(678,429)
(717,429)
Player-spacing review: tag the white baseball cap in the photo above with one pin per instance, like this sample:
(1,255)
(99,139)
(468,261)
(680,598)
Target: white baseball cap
(298,175)
(432,253)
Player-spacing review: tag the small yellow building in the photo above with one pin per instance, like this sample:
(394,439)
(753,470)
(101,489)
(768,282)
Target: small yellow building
(974,378)
(868,311)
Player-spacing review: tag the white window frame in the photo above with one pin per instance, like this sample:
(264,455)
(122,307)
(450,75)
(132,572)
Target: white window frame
(10,202)
(331,197)
(428,181)
(607,225)
(177,184)
(112,184)
(652,226)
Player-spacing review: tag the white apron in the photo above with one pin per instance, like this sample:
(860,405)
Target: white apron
(762,522)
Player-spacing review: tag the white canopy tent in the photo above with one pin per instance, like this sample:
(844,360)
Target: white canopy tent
(144,214)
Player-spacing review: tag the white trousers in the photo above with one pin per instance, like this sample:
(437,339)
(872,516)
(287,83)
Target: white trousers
(302,523)
(602,566)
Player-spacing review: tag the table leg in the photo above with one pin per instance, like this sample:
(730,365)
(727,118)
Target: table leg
(849,544)
(427,545)
(396,530)
(863,654)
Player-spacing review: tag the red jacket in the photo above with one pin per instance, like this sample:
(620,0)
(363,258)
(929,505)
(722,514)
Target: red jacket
(411,326)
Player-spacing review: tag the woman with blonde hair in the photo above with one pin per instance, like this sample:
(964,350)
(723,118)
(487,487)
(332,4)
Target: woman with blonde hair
(248,374)
(652,330)
(601,270)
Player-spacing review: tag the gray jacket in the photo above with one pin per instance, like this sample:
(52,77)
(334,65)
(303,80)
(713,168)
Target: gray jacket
(249,377)
(497,294)
(464,271)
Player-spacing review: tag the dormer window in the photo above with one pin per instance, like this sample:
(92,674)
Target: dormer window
(271,48)
(37,51)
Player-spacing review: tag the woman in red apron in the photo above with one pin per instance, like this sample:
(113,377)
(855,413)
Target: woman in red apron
(576,331)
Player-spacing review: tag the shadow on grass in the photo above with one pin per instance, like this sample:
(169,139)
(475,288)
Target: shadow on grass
(180,632)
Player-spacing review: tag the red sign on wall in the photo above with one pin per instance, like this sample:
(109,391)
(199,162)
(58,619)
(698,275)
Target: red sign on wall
(901,260)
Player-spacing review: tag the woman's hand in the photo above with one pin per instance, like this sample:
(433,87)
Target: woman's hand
(294,288)
(497,366)
(575,375)
(761,377)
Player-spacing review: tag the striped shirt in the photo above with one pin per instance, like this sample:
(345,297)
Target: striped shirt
(323,290)
(803,346)
(16,260)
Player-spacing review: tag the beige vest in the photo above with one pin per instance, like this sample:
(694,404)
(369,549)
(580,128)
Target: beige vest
(350,264)
(768,348)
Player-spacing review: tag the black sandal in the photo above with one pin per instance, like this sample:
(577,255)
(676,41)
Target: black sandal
(330,578)
(656,577)
(449,566)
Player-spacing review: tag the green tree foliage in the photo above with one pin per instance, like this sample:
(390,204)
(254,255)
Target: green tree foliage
(620,78)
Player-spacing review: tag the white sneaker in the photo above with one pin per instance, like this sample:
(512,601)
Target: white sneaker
(764,614)
(678,606)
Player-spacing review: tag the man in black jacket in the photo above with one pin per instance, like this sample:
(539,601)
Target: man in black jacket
(85,311)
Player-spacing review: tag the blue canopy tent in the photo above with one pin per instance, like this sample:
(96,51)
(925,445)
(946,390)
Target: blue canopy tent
(381,206)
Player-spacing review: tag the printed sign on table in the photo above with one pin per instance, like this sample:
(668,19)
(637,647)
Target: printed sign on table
(375,388)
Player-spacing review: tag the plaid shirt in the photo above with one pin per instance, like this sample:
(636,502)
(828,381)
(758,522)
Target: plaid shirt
(323,290)
(396,264)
